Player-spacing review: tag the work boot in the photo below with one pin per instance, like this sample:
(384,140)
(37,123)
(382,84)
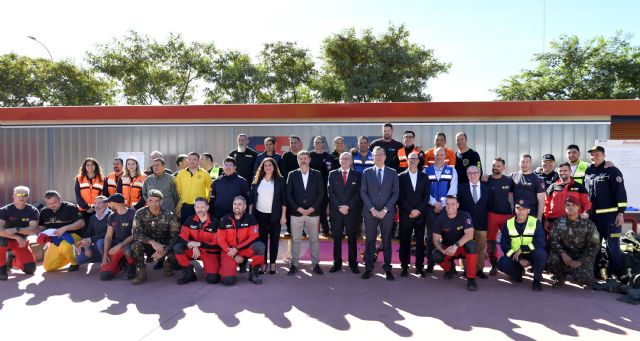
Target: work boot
(188,275)
(130,273)
(494,267)
(254,275)
(73,268)
(537,286)
(167,268)
(158,265)
(471,284)
(3,274)
(242,267)
(429,269)
(10,257)
(141,275)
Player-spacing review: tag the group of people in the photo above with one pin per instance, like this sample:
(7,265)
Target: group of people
(438,200)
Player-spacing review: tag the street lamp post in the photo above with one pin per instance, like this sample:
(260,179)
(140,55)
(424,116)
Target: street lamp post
(39,42)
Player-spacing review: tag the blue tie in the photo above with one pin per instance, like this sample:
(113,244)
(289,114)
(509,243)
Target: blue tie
(380,176)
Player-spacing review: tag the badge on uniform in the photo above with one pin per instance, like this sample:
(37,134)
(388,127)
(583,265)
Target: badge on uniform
(465,162)
(446,171)
(619,179)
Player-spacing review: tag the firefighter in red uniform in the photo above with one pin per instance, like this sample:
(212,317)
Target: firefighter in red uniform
(238,238)
(198,240)
(557,195)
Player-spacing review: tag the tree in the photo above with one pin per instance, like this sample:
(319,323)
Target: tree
(27,82)
(150,72)
(288,72)
(596,69)
(388,68)
(235,79)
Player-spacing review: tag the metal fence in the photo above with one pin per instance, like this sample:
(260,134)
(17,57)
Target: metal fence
(49,157)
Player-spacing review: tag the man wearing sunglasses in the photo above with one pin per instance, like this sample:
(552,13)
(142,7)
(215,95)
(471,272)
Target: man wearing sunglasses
(17,220)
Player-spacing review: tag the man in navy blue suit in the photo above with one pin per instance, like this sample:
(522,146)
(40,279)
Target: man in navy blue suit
(379,192)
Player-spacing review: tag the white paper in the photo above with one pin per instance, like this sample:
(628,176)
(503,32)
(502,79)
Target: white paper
(49,232)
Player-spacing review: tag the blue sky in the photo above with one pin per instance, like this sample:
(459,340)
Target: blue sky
(486,41)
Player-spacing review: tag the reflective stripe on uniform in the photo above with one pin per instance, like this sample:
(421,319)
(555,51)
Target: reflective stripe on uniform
(607,210)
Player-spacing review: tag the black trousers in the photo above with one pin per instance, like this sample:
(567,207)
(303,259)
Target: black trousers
(185,212)
(431,219)
(269,231)
(351,224)
(408,227)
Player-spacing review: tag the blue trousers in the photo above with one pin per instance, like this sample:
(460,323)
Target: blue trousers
(513,269)
(606,224)
(96,253)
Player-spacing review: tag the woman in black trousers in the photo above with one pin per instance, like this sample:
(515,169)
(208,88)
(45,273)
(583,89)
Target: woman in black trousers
(268,205)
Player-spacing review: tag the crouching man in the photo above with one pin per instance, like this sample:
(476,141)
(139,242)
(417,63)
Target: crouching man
(238,238)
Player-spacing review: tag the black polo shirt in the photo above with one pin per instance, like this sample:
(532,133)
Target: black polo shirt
(67,214)
(15,218)
(452,230)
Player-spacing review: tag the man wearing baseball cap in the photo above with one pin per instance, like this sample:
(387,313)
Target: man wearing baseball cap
(546,171)
(575,242)
(523,244)
(608,197)
(118,239)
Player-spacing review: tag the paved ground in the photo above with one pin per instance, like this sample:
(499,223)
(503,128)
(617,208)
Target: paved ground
(333,306)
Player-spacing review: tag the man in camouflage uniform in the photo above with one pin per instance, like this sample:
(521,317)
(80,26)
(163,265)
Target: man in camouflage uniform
(574,244)
(155,230)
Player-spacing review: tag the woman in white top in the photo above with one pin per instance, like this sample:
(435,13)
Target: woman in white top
(268,205)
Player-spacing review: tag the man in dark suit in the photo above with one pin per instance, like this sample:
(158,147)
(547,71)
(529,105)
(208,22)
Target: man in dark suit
(379,192)
(474,199)
(305,193)
(413,202)
(344,209)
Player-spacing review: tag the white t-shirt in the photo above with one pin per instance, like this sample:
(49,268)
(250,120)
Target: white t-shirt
(265,196)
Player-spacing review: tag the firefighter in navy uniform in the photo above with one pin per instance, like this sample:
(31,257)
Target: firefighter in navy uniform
(608,202)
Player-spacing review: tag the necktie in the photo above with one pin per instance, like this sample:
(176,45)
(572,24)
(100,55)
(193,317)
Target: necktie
(380,176)
(475,193)
(344,177)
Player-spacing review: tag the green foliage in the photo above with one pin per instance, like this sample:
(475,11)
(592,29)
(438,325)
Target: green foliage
(388,68)
(150,72)
(27,82)
(596,69)
(288,71)
(235,79)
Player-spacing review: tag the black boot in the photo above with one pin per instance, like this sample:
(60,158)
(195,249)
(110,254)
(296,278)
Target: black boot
(188,275)
(242,267)
(254,275)
(130,272)
(494,266)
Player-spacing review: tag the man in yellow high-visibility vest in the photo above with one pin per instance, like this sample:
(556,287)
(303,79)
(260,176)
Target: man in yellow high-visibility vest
(523,243)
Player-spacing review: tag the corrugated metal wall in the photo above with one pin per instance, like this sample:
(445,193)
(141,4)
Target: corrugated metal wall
(49,157)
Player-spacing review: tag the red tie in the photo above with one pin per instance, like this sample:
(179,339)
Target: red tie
(344,177)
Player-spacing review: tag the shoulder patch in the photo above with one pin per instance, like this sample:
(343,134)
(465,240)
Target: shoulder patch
(619,179)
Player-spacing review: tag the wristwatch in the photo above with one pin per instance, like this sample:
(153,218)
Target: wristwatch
(385,210)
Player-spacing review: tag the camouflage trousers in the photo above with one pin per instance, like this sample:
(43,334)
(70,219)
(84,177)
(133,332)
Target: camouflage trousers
(582,275)
(141,249)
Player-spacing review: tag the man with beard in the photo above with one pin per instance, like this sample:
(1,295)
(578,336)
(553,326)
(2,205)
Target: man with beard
(112,179)
(389,145)
(465,158)
(500,208)
(198,241)
(558,193)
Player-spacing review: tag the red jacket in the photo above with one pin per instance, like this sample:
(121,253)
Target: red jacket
(203,232)
(239,234)
(557,194)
